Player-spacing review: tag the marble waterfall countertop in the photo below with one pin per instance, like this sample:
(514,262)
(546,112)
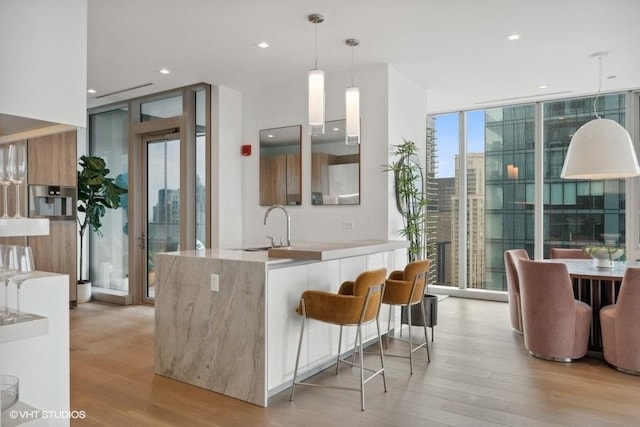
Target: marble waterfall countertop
(311,251)
(323,251)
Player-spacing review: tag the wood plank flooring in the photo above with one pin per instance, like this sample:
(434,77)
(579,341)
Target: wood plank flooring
(480,375)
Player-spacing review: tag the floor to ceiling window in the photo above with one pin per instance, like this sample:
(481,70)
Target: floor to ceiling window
(108,138)
(499,184)
(171,128)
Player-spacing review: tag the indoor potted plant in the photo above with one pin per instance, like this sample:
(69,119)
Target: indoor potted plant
(410,198)
(96,194)
(412,204)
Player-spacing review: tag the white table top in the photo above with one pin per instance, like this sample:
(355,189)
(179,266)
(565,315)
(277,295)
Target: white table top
(585,268)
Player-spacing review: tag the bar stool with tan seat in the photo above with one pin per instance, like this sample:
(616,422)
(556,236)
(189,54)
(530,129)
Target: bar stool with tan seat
(405,289)
(357,303)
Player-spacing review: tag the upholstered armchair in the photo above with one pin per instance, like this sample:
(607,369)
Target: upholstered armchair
(556,326)
(511,257)
(357,303)
(569,253)
(406,288)
(620,325)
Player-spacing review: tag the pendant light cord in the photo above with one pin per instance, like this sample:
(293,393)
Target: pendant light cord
(352,66)
(599,86)
(316,63)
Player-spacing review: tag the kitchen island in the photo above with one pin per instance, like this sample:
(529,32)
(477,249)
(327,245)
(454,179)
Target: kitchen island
(226,320)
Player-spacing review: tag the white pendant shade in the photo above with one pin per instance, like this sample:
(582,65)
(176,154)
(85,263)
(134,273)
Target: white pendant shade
(600,149)
(352,98)
(316,102)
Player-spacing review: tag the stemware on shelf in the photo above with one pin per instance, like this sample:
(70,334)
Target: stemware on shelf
(24,271)
(17,170)
(5,314)
(10,267)
(4,180)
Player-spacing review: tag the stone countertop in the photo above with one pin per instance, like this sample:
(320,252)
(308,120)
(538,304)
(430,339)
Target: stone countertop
(311,251)
(323,251)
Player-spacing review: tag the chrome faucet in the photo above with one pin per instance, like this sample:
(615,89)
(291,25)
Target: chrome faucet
(266,215)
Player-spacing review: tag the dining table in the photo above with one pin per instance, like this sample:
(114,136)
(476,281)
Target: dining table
(597,287)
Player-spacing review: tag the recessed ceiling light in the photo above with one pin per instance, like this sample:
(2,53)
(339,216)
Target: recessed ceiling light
(164,71)
(513,37)
(269,136)
(543,86)
(611,77)
(91,90)
(336,129)
(263,45)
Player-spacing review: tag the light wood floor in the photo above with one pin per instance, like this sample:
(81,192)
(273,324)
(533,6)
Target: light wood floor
(480,375)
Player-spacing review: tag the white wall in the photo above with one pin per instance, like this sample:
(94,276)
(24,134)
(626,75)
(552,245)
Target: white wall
(44,60)
(286,106)
(407,120)
(226,168)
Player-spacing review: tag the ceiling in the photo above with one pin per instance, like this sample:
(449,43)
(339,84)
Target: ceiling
(456,49)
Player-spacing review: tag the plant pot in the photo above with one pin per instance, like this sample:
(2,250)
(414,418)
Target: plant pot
(431,309)
(84,291)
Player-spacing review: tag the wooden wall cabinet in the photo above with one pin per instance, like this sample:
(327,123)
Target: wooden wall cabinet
(52,160)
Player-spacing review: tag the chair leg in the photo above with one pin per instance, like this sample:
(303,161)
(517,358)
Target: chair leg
(339,348)
(426,335)
(384,378)
(410,340)
(361,370)
(355,347)
(295,370)
(386,341)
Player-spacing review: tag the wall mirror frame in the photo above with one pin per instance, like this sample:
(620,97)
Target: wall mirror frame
(280,166)
(335,167)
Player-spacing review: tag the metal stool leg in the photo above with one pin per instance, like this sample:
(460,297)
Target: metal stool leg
(384,378)
(410,340)
(295,370)
(339,348)
(426,335)
(361,371)
(388,328)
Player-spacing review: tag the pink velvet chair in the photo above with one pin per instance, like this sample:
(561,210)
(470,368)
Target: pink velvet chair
(511,257)
(569,253)
(620,325)
(556,326)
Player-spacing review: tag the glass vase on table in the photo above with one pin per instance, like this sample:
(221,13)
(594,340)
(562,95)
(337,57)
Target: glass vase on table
(4,180)
(17,170)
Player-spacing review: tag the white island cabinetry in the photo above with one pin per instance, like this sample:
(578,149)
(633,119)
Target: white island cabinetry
(242,339)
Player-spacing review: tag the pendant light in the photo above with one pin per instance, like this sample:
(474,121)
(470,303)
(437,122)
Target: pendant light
(352,98)
(316,87)
(601,148)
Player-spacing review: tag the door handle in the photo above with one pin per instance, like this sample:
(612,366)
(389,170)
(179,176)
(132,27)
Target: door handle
(142,241)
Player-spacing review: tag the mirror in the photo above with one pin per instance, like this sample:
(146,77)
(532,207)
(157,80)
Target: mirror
(335,167)
(280,179)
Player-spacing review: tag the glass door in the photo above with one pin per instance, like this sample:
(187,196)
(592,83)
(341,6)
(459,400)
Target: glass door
(162,203)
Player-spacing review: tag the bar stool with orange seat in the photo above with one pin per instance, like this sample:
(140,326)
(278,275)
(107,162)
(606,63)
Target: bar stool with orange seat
(405,289)
(357,303)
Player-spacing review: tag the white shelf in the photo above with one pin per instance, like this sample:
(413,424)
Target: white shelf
(12,227)
(33,326)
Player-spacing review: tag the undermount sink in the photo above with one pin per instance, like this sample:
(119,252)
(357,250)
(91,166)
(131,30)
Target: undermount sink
(257,249)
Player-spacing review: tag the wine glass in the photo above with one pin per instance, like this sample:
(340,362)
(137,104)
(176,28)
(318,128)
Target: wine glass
(24,271)
(17,170)
(10,263)
(4,314)
(4,179)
